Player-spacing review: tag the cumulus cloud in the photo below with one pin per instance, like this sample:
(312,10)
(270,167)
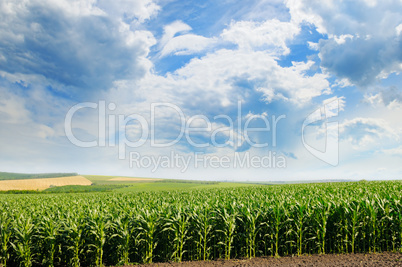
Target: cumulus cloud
(137,10)
(33,108)
(365,133)
(294,85)
(213,84)
(391,94)
(270,35)
(361,61)
(220,78)
(75,44)
(386,96)
(20,121)
(82,46)
(12,108)
(397,151)
(363,42)
(184,44)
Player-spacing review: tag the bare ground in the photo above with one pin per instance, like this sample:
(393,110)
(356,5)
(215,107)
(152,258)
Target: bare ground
(379,259)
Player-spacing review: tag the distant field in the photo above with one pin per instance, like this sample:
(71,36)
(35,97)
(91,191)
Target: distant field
(131,179)
(100,183)
(19,176)
(41,184)
(82,188)
(114,180)
(140,184)
(168,186)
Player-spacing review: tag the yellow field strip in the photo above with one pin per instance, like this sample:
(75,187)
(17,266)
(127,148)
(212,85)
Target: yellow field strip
(41,184)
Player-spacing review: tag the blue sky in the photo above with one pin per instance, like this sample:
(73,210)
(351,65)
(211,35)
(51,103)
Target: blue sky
(272,58)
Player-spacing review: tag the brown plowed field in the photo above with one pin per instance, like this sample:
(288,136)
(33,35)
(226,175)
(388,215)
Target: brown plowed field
(378,259)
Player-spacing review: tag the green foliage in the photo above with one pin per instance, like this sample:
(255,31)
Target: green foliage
(173,186)
(82,188)
(20,192)
(5,234)
(68,189)
(98,229)
(185,181)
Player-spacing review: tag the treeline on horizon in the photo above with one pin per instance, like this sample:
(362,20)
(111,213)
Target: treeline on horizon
(20,176)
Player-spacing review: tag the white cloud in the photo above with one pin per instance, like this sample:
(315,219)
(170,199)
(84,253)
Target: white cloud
(214,80)
(141,38)
(18,118)
(45,131)
(363,42)
(139,10)
(270,35)
(293,85)
(368,133)
(107,48)
(398,29)
(171,30)
(185,44)
(212,85)
(313,46)
(397,151)
(219,72)
(351,16)
(390,97)
(341,83)
(74,45)
(12,108)
(342,38)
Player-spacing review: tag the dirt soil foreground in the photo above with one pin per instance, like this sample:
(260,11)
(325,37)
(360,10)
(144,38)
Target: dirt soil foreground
(380,259)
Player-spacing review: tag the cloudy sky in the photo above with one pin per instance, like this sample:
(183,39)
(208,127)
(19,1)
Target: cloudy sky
(135,75)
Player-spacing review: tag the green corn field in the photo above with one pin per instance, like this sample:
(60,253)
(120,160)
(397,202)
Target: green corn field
(97,229)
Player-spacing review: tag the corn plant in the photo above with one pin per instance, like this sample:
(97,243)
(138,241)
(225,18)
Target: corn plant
(5,235)
(300,213)
(124,234)
(322,212)
(371,210)
(203,232)
(227,225)
(97,227)
(48,230)
(178,224)
(273,225)
(353,223)
(398,223)
(22,244)
(250,220)
(147,229)
(73,232)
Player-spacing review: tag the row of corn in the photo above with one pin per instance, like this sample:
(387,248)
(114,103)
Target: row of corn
(97,229)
